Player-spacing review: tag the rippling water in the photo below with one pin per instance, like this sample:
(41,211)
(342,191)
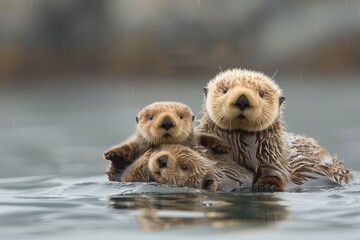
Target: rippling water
(52,182)
(48,207)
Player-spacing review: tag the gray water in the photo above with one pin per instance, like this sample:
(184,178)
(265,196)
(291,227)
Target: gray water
(52,181)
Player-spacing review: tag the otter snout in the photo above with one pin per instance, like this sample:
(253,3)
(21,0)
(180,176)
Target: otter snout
(167,123)
(242,102)
(207,182)
(162,161)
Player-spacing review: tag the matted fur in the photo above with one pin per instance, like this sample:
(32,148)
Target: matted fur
(257,138)
(309,161)
(278,158)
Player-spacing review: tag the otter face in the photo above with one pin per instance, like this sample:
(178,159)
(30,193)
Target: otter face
(165,122)
(242,99)
(179,165)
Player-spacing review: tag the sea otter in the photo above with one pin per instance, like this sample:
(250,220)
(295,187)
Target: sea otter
(185,167)
(245,108)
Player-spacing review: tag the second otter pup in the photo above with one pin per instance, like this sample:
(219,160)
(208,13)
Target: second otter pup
(182,166)
(157,123)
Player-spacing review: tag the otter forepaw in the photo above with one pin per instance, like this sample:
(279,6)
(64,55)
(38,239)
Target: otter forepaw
(220,149)
(269,184)
(213,143)
(120,156)
(114,156)
(114,174)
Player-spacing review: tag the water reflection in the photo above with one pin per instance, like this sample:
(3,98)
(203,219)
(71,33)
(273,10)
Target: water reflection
(162,211)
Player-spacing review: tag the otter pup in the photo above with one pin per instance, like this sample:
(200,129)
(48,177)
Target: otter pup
(157,123)
(185,167)
(245,108)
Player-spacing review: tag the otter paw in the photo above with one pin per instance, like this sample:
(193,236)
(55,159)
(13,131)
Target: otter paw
(114,174)
(114,156)
(219,149)
(269,184)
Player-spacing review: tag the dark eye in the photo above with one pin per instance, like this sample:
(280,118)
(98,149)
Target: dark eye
(184,167)
(151,117)
(261,93)
(225,90)
(181,116)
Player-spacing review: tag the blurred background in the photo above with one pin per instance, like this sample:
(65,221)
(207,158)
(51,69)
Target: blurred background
(74,74)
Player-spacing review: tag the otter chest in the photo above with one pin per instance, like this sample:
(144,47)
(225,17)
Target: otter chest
(245,147)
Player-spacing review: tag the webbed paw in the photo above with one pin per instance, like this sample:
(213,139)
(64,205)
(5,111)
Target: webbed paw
(120,156)
(220,149)
(269,184)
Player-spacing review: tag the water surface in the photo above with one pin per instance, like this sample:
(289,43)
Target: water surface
(53,186)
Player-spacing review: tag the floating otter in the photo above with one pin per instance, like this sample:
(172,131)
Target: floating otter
(185,167)
(245,108)
(157,123)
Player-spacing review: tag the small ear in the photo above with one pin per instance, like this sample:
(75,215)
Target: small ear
(207,183)
(281,100)
(205,90)
(193,117)
(137,120)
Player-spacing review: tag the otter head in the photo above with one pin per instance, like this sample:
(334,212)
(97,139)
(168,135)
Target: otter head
(240,99)
(165,122)
(180,165)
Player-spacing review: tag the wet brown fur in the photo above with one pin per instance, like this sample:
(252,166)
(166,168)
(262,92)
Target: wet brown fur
(257,137)
(308,160)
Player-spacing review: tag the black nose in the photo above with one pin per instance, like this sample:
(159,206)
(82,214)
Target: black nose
(207,182)
(242,102)
(163,161)
(167,123)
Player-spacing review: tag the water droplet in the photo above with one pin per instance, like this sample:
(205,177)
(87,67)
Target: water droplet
(207,203)
(347,38)
(275,73)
